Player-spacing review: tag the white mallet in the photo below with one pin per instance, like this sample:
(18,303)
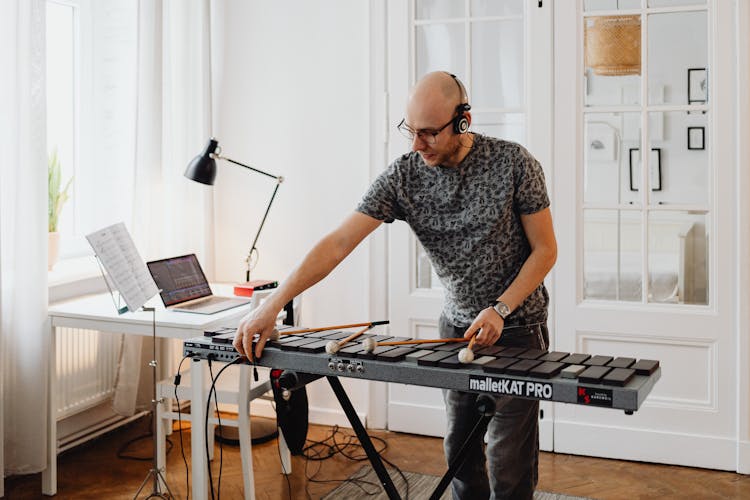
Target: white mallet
(369,344)
(333,346)
(274,335)
(466,355)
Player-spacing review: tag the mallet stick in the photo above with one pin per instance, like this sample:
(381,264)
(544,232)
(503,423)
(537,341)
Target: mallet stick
(335,327)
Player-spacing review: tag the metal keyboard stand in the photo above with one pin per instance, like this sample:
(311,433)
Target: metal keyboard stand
(485,406)
(364,438)
(155,473)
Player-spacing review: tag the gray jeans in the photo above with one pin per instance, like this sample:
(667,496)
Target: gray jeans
(512,454)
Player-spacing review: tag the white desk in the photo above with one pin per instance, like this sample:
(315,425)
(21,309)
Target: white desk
(97,312)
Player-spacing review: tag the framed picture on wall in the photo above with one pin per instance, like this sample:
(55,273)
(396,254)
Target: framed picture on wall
(697,86)
(634,163)
(696,137)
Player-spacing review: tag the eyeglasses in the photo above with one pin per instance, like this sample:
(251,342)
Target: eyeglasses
(428,135)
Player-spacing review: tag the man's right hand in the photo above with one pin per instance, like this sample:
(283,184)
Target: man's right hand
(263,321)
(318,262)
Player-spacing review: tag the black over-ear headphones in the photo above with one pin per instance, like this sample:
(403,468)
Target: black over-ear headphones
(461,122)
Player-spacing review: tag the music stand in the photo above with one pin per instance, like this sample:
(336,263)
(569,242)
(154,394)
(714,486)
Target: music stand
(128,279)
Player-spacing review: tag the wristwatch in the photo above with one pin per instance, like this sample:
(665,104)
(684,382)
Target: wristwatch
(502,309)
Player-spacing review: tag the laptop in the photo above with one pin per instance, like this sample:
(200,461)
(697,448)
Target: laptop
(183,286)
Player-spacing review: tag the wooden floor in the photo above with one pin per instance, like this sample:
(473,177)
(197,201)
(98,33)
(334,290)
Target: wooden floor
(94,471)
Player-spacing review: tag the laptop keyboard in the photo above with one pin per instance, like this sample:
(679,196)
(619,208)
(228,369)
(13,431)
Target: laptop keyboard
(202,303)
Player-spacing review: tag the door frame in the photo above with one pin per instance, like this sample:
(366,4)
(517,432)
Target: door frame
(377,243)
(743,207)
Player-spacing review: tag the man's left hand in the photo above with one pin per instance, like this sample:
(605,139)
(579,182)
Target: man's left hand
(490,327)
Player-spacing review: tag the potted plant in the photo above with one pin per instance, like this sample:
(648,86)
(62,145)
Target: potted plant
(57,198)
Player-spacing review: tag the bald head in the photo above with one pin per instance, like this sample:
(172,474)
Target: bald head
(434,105)
(437,91)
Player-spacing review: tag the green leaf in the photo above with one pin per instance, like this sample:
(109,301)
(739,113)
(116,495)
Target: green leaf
(56,197)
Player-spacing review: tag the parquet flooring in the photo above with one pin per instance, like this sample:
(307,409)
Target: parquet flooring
(93,471)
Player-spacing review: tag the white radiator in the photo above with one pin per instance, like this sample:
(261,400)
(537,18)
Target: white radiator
(86,369)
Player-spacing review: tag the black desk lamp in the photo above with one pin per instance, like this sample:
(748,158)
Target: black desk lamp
(203,169)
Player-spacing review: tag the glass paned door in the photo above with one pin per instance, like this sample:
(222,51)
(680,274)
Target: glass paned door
(647,220)
(486,44)
(646,83)
(483,43)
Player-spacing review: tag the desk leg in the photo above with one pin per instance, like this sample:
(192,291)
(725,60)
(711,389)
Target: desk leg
(197,429)
(49,474)
(246,447)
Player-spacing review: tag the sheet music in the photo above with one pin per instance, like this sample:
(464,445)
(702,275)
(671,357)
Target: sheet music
(117,252)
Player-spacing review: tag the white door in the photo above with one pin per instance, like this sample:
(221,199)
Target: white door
(508,79)
(647,241)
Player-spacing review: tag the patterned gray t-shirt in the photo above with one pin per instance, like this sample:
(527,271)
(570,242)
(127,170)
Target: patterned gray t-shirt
(468,221)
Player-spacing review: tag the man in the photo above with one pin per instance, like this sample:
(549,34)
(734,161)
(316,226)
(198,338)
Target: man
(480,208)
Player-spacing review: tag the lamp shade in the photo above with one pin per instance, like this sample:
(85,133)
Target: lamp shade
(202,168)
(612,45)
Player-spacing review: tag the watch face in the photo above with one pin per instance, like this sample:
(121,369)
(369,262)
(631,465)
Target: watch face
(502,309)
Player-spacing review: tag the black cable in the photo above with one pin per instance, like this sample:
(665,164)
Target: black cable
(400,473)
(342,448)
(318,456)
(177,379)
(205,432)
(121,450)
(351,443)
(328,448)
(208,406)
(322,450)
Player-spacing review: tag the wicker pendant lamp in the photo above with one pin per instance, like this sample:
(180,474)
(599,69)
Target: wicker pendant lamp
(612,45)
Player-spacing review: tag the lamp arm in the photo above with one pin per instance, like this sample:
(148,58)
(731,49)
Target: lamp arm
(277,177)
(263,221)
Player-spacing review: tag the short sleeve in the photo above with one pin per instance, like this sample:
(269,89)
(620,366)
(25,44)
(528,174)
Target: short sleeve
(381,201)
(531,192)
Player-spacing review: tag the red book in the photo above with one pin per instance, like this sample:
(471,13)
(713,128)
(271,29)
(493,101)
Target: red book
(246,289)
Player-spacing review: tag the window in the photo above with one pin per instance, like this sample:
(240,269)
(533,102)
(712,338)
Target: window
(62,98)
(91,112)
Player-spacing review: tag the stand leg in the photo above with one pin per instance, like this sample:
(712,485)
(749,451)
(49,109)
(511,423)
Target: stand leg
(486,408)
(364,438)
(160,488)
(158,478)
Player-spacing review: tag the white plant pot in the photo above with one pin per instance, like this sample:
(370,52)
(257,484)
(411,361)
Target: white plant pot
(53,249)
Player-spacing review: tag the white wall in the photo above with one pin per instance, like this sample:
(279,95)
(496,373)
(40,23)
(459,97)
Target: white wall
(291,87)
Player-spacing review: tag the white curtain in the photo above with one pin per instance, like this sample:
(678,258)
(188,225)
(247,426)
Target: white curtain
(173,126)
(24,341)
(171,123)
(171,214)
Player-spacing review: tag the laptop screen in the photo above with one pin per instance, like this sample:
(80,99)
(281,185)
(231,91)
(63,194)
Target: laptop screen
(179,278)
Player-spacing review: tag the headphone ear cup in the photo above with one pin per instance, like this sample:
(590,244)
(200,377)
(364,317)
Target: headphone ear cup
(460,124)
